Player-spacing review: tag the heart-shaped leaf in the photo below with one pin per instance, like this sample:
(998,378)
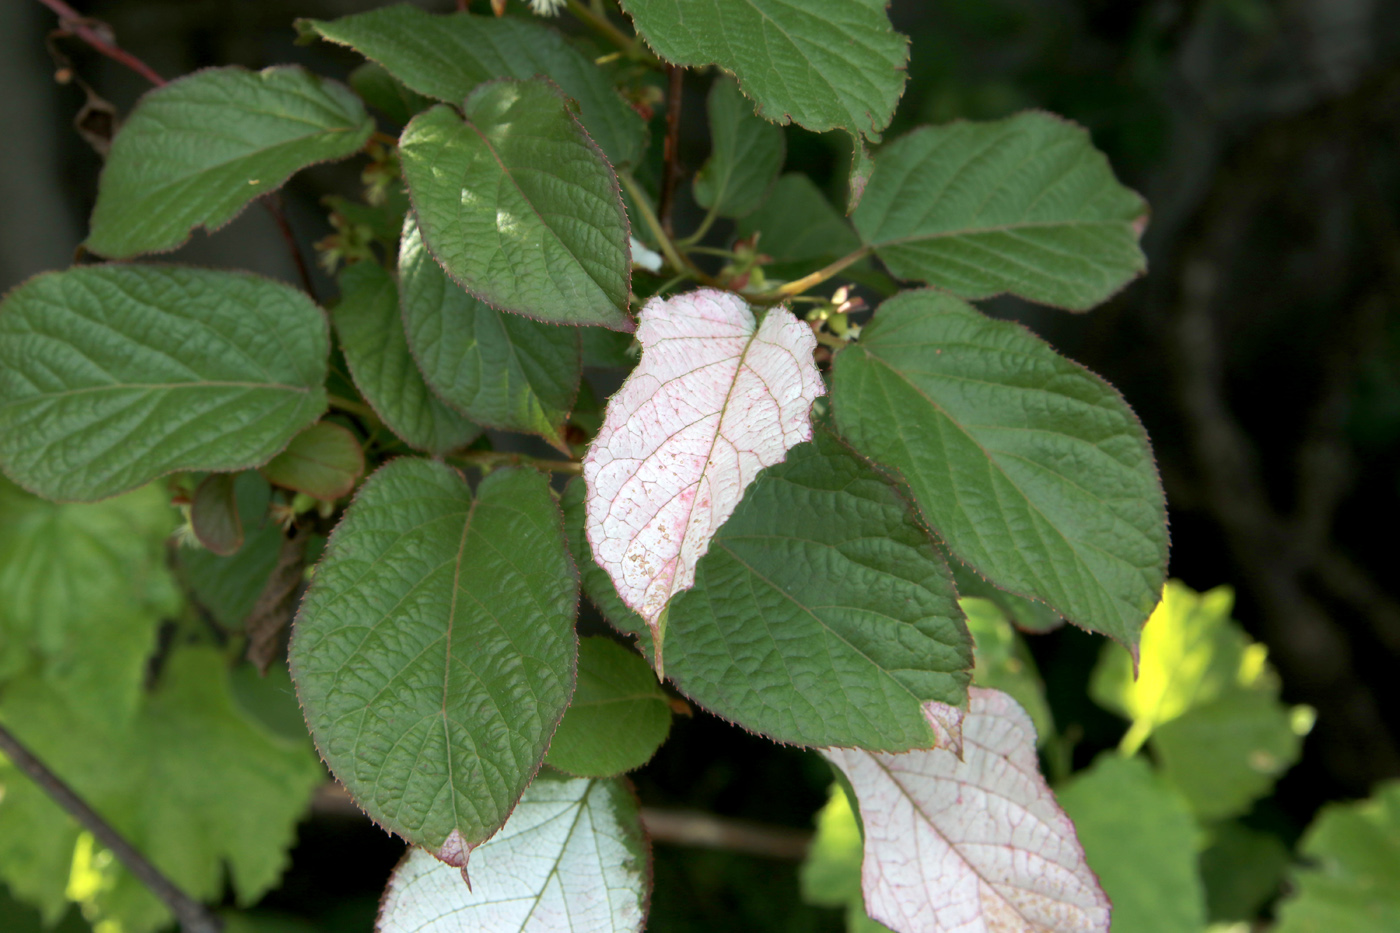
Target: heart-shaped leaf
(520,206)
(971,842)
(716,398)
(195,152)
(572,858)
(113,375)
(1029,467)
(619,715)
(434,652)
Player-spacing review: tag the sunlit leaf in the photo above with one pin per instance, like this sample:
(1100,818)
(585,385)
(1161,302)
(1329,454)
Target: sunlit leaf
(596,583)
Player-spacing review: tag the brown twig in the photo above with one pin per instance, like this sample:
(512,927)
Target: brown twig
(671,173)
(73,22)
(192,915)
(274,207)
(693,829)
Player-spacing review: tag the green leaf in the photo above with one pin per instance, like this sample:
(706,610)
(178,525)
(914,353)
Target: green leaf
(619,715)
(607,349)
(229,586)
(746,154)
(1243,870)
(324,461)
(798,223)
(1141,840)
(824,64)
(383,91)
(1004,663)
(207,797)
(195,151)
(830,874)
(434,652)
(113,375)
(214,514)
(1352,884)
(597,585)
(1026,614)
(82,590)
(500,370)
(1031,469)
(520,207)
(573,857)
(821,614)
(1024,205)
(446,57)
(376,349)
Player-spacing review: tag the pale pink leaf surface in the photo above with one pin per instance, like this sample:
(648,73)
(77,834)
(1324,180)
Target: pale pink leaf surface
(714,400)
(975,844)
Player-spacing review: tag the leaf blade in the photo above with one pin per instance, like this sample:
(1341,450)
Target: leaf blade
(619,716)
(745,157)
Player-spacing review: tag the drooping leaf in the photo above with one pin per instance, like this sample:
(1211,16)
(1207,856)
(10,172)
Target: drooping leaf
(194,152)
(1024,205)
(1029,467)
(82,591)
(821,613)
(823,64)
(446,57)
(596,583)
(382,90)
(113,375)
(434,652)
(1352,881)
(214,514)
(324,461)
(501,370)
(619,715)
(228,587)
(1004,663)
(572,857)
(798,223)
(208,797)
(830,874)
(519,205)
(975,842)
(372,335)
(716,398)
(746,154)
(1141,841)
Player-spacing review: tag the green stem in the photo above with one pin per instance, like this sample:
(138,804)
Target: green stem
(600,24)
(668,248)
(689,242)
(488,460)
(810,281)
(353,407)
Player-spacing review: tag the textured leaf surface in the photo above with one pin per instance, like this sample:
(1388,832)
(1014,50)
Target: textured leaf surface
(208,797)
(970,843)
(1026,614)
(619,715)
(798,223)
(596,583)
(229,586)
(1029,467)
(446,57)
(824,64)
(372,335)
(1141,841)
(113,375)
(501,370)
(572,857)
(821,614)
(434,652)
(520,207)
(1353,882)
(1023,205)
(1004,663)
(323,461)
(746,154)
(196,151)
(716,398)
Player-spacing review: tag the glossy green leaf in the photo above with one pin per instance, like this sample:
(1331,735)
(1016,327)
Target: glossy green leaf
(1351,883)
(597,585)
(1004,663)
(746,154)
(1024,205)
(195,152)
(372,335)
(113,375)
(619,715)
(324,461)
(382,90)
(211,799)
(214,514)
(1029,467)
(798,223)
(821,614)
(446,57)
(520,207)
(1141,840)
(823,64)
(83,589)
(500,370)
(434,652)
(228,587)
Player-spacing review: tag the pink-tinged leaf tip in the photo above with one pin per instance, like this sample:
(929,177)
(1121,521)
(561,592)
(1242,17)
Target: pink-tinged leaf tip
(971,843)
(716,398)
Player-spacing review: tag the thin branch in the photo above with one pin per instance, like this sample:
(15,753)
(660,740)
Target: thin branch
(670,152)
(71,21)
(600,24)
(274,207)
(487,460)
(694,829)
(816,278)
(668,248)
(191,914)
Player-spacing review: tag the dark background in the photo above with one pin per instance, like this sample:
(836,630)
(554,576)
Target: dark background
(1262,350)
